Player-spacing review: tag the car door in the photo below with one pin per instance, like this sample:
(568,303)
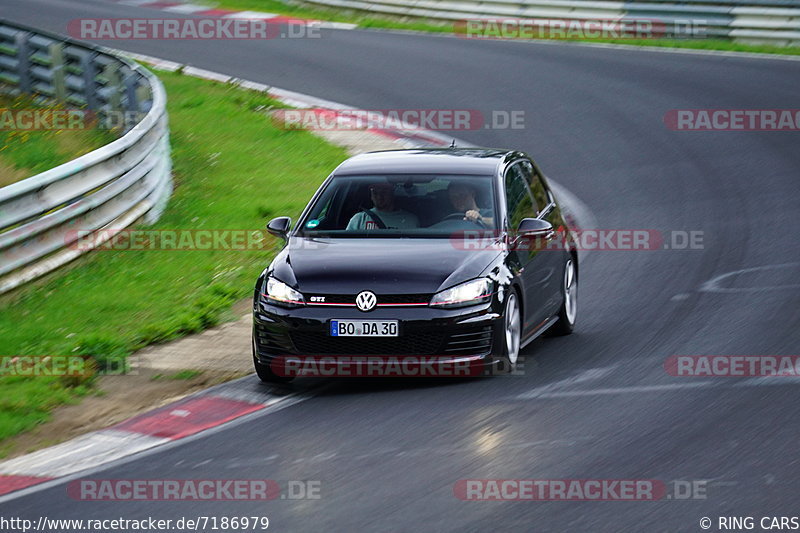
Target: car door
(553,259)
(534,267)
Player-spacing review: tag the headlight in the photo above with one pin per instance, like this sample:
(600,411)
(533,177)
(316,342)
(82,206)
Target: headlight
(469,293)
(280,293)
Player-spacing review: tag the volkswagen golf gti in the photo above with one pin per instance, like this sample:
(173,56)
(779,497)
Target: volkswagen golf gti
(461,255)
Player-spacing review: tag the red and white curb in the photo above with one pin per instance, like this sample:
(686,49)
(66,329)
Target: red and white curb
(187,417)
(183,8)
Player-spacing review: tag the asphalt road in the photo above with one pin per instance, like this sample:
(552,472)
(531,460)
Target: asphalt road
(597,404)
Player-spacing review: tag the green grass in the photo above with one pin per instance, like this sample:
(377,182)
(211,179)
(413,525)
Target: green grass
(183,375)
(26,402)
(24,153)
(233,169)
(386,21)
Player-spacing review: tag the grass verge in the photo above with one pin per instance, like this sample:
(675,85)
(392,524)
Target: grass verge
(386,21)
(233,169)
(24,153)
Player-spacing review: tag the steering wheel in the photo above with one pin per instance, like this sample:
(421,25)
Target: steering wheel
(451,216)
(375,218)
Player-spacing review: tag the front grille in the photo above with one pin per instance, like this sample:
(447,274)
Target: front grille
(383,299)
(470,342)
(404,298)
(425,343)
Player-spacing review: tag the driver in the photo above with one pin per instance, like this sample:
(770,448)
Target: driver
(382,196)
(462,196)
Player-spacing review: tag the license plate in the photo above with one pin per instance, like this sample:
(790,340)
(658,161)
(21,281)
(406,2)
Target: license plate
(364,328)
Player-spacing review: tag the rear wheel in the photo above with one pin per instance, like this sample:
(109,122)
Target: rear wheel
(569,307)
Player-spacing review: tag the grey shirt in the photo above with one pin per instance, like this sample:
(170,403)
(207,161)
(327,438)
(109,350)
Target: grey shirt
(393,219)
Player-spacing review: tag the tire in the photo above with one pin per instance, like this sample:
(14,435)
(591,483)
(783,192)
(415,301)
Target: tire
(265,373)
(512,330)
(569,307)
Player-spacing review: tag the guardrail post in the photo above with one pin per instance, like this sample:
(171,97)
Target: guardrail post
(131,81)
(59,73)
(111,74)
(89,73)
(144,97)
(23,61)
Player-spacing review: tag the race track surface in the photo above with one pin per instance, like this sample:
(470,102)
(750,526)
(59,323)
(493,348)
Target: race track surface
(595,405)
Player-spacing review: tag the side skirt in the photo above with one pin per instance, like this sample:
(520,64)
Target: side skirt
(538,332)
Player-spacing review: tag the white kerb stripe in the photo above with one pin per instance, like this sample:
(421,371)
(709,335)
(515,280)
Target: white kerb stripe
(91,450)
(186,8)
(250,15)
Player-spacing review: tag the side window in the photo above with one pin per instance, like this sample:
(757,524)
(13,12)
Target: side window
(519,202)
(533,179)
(316,218)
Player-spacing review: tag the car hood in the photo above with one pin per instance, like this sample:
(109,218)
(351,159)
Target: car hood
(384,266)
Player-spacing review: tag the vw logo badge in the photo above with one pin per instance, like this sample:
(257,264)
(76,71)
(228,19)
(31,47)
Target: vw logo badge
(366,300)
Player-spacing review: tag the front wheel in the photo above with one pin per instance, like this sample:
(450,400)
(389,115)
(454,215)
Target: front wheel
(569,307)
(265,373)
(511,333)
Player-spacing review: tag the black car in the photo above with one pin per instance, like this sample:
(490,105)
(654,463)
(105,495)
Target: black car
(415,254)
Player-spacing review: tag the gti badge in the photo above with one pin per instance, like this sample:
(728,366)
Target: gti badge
(366,300)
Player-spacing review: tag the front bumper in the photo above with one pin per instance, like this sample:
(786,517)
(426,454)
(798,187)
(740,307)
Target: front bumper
(472,334)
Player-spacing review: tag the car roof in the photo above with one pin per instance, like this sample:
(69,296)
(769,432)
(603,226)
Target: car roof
(463,161)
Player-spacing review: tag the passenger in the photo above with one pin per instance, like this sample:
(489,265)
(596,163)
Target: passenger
(384,211)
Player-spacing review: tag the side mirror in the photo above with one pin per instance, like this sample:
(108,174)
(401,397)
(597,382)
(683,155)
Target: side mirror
(532,234)
(534,227)
(279,226)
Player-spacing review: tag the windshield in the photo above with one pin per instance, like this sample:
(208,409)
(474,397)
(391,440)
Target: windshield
(401,205)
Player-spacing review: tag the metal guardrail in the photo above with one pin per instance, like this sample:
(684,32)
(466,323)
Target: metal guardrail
(114,186)
(775,22)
